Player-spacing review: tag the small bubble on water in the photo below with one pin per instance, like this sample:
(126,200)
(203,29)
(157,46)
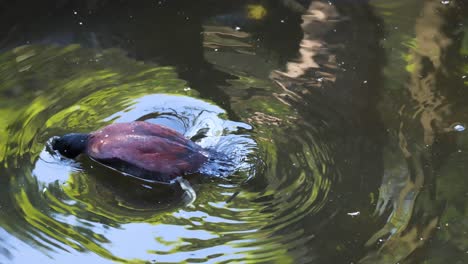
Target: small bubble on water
(459,127)
(215,49)
(320,79)
(365,81)
(445,2)
(187,89)
(354,213)
(464,77)
(282,20)
(237,28)
(75,13)
(80,23)
(106,135)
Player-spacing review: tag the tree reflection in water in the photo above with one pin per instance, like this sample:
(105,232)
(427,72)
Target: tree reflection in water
(353,105)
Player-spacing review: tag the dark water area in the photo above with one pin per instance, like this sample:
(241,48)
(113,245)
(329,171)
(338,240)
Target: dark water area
(345,122)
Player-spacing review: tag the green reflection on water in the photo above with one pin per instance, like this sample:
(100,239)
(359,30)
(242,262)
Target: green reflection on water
(64,89)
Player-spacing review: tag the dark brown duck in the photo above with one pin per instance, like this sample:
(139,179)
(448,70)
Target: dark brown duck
(141,149)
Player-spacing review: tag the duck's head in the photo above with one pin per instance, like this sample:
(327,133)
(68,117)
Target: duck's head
(71,145)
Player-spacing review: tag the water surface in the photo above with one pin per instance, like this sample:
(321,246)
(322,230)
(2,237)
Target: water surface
(345,119)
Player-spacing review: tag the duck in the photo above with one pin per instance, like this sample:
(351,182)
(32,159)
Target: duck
(141,149)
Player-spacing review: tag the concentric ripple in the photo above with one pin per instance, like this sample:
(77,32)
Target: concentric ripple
(282,174)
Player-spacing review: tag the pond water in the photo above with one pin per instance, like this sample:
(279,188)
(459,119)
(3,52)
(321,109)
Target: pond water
(345,121)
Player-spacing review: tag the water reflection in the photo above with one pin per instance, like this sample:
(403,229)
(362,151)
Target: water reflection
(343,118)
(320,118)
(419,136)
(79,206)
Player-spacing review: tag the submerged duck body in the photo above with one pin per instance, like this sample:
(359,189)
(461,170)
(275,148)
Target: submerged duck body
(141,149)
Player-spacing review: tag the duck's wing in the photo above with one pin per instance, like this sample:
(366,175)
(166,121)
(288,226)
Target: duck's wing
(151,154)
(145,128)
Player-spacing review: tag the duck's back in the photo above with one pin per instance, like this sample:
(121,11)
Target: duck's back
(145,150)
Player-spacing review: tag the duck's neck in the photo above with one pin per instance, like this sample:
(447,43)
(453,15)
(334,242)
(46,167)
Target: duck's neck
(80,141)
(72,145)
